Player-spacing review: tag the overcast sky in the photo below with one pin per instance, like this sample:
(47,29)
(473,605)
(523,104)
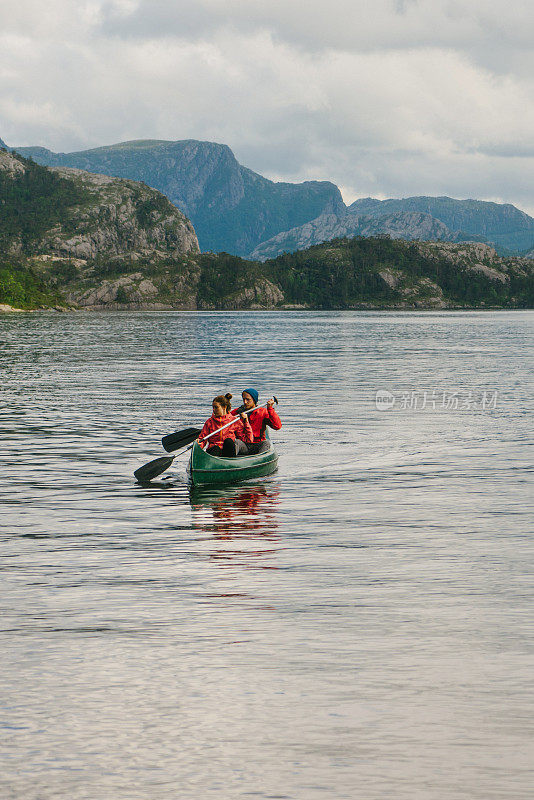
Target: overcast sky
(387,98)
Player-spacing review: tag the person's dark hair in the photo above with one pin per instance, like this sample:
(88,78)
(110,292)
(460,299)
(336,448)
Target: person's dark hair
(224,401)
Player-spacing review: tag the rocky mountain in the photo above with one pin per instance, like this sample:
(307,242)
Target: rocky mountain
(238,211)
(3,145)
(386,273)
(59,226)
(400,225)
(231,207)
(500,223)
(414,218)
(74,214)
(70,239)
(345,273)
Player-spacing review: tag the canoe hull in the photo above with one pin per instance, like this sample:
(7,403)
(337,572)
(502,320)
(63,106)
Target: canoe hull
(206,470)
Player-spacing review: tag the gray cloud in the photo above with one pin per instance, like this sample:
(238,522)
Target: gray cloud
(351,25)
(388,98)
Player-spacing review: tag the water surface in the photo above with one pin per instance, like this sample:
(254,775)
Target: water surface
(359,625)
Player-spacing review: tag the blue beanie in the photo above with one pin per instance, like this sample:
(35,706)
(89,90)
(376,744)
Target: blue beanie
(253,393)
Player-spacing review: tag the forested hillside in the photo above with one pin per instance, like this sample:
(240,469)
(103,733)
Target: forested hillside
(55,222)
(79,240)
(231,207)
(240,211)
(379,271)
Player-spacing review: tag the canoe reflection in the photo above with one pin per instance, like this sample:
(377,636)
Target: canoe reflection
(242,511)
(247,515)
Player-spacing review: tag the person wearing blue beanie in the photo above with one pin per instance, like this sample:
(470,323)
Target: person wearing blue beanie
(253,394)
(260,419)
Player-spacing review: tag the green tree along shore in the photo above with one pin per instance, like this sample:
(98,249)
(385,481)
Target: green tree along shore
(32,201)
(347,272)
(356,273)
(57,248)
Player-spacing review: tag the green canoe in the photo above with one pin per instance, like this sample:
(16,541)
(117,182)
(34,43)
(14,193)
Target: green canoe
(206,470)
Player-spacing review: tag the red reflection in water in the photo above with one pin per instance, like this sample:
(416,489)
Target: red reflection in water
(248,513)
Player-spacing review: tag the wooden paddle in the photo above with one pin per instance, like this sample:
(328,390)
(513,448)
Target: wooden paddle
(154,468)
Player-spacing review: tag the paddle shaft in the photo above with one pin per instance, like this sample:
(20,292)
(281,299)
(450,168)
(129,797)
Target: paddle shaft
(249,411)
(154,468)
(205,438)
(179,439)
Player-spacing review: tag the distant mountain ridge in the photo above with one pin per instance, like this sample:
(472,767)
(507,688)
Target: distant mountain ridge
(440,219)
(73,239)
(399,225)
(236,210)
(231,207)
(500,223)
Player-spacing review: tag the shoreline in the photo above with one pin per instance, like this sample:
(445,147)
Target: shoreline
(8,309)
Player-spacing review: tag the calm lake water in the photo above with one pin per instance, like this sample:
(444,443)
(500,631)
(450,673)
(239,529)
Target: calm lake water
(359,625)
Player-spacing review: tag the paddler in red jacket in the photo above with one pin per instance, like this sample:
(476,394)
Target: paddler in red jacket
(234,440)
(259,419)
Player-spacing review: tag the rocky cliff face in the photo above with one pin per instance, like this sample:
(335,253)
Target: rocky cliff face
(112,218)
(499,223)
(477,258)
(236,210)
(10,166)
(402,225)
(231,207)
(122,217)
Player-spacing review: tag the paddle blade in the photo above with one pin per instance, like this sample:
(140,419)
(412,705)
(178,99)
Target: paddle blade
(154,468)
(173,441)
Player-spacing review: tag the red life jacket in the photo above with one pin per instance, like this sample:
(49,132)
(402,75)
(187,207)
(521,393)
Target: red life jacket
(259,419)
(240,430)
